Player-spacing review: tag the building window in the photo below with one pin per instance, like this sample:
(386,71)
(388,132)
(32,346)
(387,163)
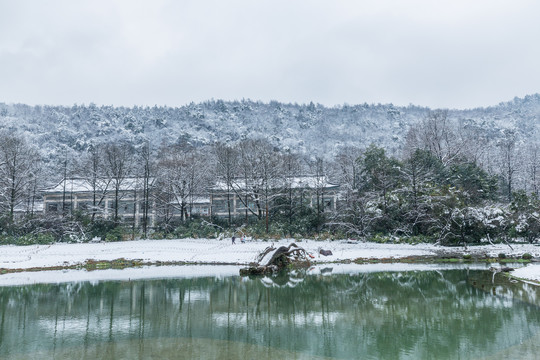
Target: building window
(220,206)
(142,206)
(328,201)
(52,207)
(126,207)
(199,210)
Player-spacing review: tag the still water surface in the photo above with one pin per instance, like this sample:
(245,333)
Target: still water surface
(454,314)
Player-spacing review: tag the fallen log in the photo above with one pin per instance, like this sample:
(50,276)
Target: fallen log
(281,258)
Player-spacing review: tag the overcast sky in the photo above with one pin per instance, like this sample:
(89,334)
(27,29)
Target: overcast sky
(452,54)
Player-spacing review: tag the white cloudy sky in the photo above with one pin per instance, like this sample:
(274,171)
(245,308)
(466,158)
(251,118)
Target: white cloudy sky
(457,54)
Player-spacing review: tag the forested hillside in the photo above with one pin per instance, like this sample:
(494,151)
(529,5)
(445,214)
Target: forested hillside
(452,176)
(308,129)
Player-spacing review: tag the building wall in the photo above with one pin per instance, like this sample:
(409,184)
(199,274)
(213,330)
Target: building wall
(218,200)
(128,209)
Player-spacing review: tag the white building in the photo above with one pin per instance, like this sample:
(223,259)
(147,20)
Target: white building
(312,191)
(73,195)
(79,195)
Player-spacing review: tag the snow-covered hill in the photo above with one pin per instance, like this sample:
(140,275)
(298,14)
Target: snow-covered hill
(310,129)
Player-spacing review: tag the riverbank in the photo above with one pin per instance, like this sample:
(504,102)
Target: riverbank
(222,252)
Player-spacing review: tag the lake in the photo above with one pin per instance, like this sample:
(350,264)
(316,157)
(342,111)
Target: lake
(445,314)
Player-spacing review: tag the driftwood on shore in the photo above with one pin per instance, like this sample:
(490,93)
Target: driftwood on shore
(279,259)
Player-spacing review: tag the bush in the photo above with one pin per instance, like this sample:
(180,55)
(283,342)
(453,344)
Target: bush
(44,239)
(28,239)
(417,239)
(502,256)
(381,239)
(195,229)
(157,235)
(116,234)
(526,256)
(100,228)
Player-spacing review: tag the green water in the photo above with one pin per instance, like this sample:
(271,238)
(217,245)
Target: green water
(450,314)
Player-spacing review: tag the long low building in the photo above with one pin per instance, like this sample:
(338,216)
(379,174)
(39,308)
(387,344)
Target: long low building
(81,195)
(99,199)
(251,196)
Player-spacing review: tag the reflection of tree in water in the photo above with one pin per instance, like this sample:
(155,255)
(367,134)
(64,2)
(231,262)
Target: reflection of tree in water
(423,314)
(499,284)
(283,279)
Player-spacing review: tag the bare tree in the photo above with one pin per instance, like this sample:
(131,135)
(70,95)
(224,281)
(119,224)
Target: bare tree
(18,168)
(164,199)
(346,170)
(319,171)
(269,164)
(533,168)
(69,167)
(148,170)
(93,171)
(437,134)
(508,156)
(118,167)
(179,167)
(292,168)
(475,142)
(245,188)
(262,177)
(252,187)
(226,170)
(252,175)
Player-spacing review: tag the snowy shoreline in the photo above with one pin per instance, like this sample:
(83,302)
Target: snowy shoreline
(218,252)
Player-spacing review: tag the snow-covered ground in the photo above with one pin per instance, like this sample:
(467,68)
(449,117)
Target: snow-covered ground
(529,272)
(206,251)
(210,251)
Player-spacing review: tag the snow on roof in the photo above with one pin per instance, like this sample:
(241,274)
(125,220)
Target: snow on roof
(301,182)
(77,185)
(297,182)
(201,200)
(195,200)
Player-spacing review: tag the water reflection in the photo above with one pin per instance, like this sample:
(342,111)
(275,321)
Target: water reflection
(420,314)
(283,279)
